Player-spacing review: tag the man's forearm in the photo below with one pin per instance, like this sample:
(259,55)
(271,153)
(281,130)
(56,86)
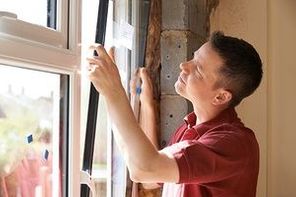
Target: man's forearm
(136,147)
(149,125)
(148,122)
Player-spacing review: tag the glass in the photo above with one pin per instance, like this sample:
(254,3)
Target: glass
(109,170)
(99,167)
(33,133)
(100,172)
(40,12)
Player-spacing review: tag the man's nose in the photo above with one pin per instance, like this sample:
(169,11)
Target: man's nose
(185,66)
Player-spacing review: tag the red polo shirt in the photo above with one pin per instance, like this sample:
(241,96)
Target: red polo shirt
(218,158)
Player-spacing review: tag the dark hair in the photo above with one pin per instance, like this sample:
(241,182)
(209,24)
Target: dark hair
(241,72)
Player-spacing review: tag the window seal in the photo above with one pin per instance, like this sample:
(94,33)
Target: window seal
(93,100)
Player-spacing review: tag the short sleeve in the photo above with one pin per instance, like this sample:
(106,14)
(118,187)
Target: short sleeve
(208,159)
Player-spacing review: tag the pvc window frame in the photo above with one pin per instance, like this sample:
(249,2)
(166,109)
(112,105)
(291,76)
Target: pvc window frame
(47,50)
(55,37)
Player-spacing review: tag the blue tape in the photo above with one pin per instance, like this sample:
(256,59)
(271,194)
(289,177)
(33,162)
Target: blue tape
(45,154)
(138,90)
(30,138)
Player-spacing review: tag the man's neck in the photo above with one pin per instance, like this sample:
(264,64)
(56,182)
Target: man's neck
(204,114)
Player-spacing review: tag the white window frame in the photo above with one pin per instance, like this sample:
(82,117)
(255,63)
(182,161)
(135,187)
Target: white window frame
(129,61)
(47,50)
(21,29)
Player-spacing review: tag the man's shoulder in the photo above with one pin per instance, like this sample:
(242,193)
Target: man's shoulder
(232,135)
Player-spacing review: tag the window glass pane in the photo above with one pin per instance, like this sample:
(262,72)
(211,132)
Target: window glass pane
(109,169)
(41,12)
(100,156)
(33,132)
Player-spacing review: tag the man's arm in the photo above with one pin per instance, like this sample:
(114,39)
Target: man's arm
(148,114)
(144,161)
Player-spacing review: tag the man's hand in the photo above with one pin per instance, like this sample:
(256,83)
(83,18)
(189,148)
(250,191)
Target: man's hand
(103,72)
(141,81)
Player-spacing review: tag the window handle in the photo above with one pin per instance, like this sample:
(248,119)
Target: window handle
(86,179)
(8,14)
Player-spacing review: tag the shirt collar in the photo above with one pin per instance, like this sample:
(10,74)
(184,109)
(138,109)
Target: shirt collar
(229,115)
(190,119)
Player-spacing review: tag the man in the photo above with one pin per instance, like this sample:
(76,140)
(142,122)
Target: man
(212,153)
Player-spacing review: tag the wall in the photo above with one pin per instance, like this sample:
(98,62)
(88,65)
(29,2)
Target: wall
(269,25)
(180,37)
(282,93)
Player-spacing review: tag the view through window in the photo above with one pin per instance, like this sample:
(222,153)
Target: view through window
(33,133)
(44,13)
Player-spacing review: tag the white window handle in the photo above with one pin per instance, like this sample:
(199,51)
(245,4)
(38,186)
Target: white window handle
(86,179)
(8,14)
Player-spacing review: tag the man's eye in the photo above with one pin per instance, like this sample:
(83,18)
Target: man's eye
(198,73)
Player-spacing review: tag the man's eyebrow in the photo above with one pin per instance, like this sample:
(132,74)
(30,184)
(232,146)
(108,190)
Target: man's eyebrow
(195,53)
(199,66)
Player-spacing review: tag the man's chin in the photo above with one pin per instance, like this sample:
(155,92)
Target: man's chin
(179,90)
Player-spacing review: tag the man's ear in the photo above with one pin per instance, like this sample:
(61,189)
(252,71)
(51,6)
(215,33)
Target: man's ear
(222,97)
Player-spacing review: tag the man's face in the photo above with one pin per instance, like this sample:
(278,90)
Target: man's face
(198,76)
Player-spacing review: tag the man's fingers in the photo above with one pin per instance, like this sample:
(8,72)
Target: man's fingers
(133,86)
(95,61)
(101,52)
(99,49)
(134,82)
(91,67)
(111,53)
(144,75)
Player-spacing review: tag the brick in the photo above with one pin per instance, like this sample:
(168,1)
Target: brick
(201,23)
(188,15)
(176,47)
(174,14)
(173,52)
(173,109)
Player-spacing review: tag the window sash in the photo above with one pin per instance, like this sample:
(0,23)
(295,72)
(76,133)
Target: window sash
(33,43)
(26,30)
(27,52)
(93,100)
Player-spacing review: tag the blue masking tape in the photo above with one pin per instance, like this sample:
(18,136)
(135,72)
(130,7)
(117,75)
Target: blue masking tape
(138,90)
(30,138)
(45,154)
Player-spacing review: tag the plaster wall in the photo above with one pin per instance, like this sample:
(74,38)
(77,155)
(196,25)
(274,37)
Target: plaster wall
(269,25)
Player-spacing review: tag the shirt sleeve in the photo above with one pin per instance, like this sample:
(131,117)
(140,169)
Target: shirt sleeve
(209,159)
